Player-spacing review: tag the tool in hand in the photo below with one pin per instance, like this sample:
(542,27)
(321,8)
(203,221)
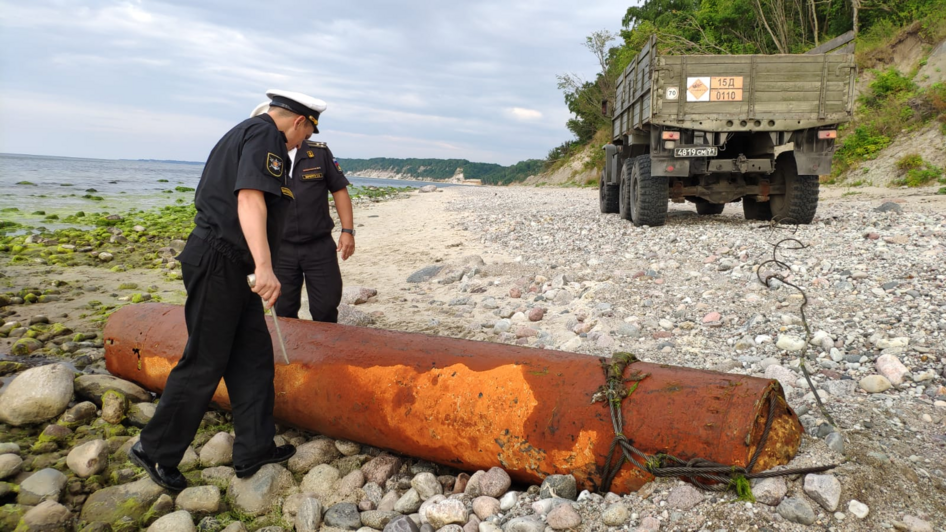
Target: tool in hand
(251,279)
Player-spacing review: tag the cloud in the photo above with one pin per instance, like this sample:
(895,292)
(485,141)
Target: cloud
(473,79)
(523,115)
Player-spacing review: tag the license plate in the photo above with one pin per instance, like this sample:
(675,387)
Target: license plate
(694,152)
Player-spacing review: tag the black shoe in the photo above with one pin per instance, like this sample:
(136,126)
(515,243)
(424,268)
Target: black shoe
(278,454)
(169,478)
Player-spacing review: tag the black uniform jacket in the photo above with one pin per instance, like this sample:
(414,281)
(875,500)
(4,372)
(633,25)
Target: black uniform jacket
(315,174)
(252,155)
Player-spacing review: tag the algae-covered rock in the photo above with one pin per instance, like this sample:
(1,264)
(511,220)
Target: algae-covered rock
(47,515)
(10,515)
(37,395)
(161,507)
(55,434)
(25,346)
(114,406)
(108,505)
(78,415)
(8,366)
(93,387)
(141,413)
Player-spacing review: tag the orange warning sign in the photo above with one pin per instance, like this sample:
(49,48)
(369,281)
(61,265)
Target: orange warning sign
(697,89)
(726,82)
(726,95)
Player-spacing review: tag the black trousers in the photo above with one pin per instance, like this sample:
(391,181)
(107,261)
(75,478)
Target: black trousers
(228,339)
(315,263)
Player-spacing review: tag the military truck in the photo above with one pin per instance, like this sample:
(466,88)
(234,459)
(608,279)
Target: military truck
(716,129)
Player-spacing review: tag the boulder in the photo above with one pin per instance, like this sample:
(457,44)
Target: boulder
(563,486)
(140,414)
(313,453)
(80,414)
(257,495)
(320,481)
(179,521)
(93,387)
(90,458)
(218,451)
(10,464)
(381,468)
(114,406)
(47,515)
(309,515)
(344,515)
(108,505)
(450,511)
(44,485)
(37,395)
(200,500)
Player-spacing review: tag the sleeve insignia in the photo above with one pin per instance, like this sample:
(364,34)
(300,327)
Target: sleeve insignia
(274,164)
(287,192)
(337,166)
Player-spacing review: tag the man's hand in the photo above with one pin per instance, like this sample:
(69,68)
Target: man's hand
(267,285)
(346,245)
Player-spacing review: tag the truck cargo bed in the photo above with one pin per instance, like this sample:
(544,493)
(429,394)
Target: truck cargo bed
(733,92)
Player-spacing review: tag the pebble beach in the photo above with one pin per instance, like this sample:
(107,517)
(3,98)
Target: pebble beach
(536,267)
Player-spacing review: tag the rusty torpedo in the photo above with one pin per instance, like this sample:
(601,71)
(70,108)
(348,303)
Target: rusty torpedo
(475,405)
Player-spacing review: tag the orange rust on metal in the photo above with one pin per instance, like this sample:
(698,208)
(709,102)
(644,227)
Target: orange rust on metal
(475,405)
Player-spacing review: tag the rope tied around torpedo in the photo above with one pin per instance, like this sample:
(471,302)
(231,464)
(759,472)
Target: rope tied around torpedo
(705,474)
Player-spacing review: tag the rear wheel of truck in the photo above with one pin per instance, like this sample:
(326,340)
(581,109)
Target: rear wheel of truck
(607,196)
(649,194)
(756,210)
(624,192)
(800,201)
(705,208)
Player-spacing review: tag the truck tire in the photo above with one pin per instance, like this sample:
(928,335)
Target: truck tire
(705,208)
(756,210)
(607,196)
(649,195)
(800,201)
(624,193)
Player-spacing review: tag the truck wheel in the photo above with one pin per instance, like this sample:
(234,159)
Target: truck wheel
(624,194)
(649,195)
(756,210)
(607,196)
(800,201)
(705,208)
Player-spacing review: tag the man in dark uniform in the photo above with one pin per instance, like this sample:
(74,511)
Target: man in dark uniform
(241,200)
(308,252)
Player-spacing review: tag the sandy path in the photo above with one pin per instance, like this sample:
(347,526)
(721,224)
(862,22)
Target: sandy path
(395,239)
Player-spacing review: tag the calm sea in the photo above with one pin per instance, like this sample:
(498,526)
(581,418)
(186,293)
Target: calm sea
(60,184)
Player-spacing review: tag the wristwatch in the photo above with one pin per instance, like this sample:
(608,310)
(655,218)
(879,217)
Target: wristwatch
(349,231)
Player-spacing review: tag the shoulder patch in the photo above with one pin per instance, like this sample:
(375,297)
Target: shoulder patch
(315,144)
(274,164)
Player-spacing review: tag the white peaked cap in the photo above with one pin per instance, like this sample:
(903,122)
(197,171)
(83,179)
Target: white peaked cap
(315,104)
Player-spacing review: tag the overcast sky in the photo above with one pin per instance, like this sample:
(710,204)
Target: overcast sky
(166,79)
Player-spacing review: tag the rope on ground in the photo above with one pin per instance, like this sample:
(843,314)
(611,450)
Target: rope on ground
(775,261)
(705,474)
